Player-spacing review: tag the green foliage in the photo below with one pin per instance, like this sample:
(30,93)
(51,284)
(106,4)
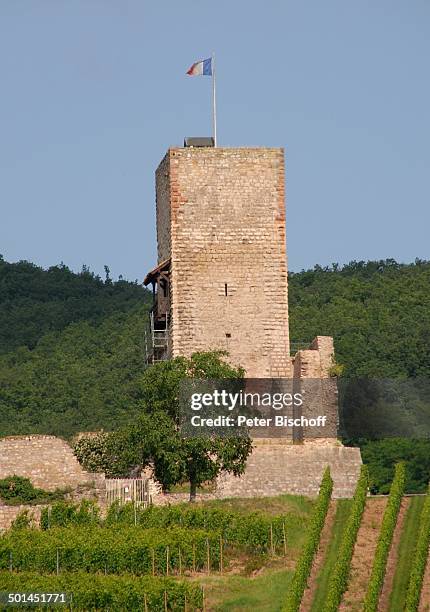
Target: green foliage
(92,452)
(72,350)
(406,554)
(141,444)
(325,571)
(340,575)
(253,530)
(78,380)
(378,313)
(98,592)
(24,520)
(420,559)
(63,514)
(34,301)
(174,459)
(336,370)
(304,563)
(381,457)
(114,550)
(160,384)
(17,490)
(385,538)
(117,453)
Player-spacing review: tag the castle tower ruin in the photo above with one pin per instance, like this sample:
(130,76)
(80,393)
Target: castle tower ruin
(222,274)
(221,284)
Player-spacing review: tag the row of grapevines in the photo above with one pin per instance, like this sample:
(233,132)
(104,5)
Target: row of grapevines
(253,530)
(98,592)
(304,564)
(385,538)
(112,550)
(65,513)
(339,578)
(420,559)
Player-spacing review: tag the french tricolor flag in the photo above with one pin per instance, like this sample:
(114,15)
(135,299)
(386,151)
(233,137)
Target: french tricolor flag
(203,67)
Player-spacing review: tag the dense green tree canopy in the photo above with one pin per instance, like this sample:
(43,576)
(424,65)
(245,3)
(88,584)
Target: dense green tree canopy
(155,437)
(34,301)
(378,313)
(72,345)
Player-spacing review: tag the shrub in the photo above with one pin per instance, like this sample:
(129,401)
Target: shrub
(339,578)
(16,490)
(24,520)
(385,538)
(92,452)
(420,559)
(304,564)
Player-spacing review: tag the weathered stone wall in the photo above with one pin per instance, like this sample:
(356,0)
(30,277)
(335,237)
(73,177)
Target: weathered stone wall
(162,199)
(316,361)
(225,209)
(311,370)
(9,513)
(48,461)
(275,467)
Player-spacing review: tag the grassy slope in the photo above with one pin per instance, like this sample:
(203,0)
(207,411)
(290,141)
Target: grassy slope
(405,555)
(296,504)
(257,583)
(265,593)
(261,582)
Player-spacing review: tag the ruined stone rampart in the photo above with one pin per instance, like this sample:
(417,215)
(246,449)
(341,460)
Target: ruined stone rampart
(275,467)
(47,461)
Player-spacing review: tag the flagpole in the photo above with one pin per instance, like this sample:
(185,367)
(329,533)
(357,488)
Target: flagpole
(214,99)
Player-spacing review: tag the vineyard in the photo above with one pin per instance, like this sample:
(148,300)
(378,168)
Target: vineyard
(375,556)
(287,553)
(171,558)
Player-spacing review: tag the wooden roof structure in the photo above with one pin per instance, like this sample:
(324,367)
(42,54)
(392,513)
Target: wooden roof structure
(152,276)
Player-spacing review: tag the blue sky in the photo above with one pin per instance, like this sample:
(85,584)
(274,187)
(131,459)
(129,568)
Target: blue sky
(93,92)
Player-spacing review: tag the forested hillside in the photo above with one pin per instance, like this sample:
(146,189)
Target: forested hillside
(34,301)
(378,313)
(71,345)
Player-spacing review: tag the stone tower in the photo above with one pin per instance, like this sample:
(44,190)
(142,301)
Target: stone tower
(222,270)
(221,283)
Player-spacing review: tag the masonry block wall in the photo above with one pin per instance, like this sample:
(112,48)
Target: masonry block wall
(221,219)
(311,369)
(275,468)
(47,461)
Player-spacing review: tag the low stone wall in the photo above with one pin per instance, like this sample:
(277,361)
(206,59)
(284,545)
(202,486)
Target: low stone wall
(9,513)
(169,499)
(47,461)
(277,467)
